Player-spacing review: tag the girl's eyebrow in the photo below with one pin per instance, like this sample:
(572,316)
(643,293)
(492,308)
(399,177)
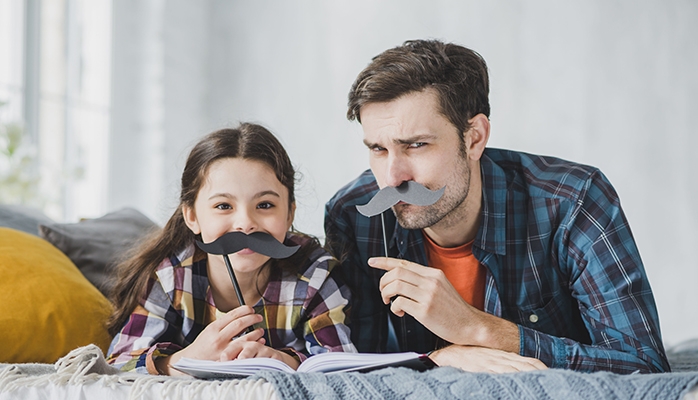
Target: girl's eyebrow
(226,195)
(256,196)
(267,193)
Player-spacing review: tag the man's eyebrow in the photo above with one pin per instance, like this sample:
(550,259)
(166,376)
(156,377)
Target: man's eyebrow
(405,141)
(370,145)
(415,139)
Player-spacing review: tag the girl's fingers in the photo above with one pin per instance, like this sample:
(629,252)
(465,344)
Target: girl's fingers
(231,316)
(254,336)
(250,350)
(237,326)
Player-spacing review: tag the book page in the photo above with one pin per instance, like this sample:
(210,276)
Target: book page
(207,369)
(339,361)
(325,362)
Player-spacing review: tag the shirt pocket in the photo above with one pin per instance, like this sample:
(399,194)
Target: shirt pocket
(553,317)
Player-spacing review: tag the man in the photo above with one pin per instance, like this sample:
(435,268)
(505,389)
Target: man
(525,262)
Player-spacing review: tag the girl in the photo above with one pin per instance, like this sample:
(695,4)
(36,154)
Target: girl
(172,300)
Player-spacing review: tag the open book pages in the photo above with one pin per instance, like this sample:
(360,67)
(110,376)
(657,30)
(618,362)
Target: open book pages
(325,362)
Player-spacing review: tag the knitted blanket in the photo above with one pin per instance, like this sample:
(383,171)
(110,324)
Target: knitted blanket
(451,383)
(84,374)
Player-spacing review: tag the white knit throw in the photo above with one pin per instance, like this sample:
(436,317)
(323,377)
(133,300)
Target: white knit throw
(87,366)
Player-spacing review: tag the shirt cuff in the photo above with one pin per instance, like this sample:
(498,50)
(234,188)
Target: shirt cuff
(159,350)
(300,357)
(548,349)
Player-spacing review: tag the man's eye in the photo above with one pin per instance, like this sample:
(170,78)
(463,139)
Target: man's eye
(417,145)
(265,205)
(377,149)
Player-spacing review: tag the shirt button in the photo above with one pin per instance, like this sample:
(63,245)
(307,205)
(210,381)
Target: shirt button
(533,318)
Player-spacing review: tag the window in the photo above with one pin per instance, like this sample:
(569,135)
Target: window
(55,82)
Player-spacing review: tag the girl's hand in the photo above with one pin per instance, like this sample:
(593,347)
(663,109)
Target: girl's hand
(217,339)
(248,346)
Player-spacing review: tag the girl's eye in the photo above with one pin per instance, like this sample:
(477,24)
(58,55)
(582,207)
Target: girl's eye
(265,205)
(223,206)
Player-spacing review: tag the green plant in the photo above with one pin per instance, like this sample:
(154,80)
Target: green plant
(19,177)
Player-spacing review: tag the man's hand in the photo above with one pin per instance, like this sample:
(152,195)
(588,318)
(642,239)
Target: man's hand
(426,294)
(482,359)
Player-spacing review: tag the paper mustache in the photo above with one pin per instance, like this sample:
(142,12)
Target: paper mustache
(261,242)
(232,242)
(410,192)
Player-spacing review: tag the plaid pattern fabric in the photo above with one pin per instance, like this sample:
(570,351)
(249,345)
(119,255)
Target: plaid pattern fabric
(561,262)
(304,313)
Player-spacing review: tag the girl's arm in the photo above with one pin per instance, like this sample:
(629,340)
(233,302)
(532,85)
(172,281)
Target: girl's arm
(325,328)
(150,332)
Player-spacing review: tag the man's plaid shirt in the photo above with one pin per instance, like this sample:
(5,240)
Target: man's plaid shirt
(561,263)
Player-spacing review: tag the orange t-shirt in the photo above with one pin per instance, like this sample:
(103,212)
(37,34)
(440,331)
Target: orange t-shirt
(461,268)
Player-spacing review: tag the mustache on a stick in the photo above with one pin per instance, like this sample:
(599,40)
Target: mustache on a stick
(410,192)
(232,242)
(261,242)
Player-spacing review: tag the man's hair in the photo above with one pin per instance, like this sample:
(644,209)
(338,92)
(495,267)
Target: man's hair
(457,74)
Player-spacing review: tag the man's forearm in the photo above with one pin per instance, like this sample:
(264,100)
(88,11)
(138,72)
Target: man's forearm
(566,353)
(492,332)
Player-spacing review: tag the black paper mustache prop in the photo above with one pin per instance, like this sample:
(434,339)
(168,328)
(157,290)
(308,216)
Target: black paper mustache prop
(232,242)
(261,242)
(409,192)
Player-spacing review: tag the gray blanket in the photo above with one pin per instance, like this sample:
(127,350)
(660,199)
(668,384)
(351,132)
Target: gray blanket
(450,383)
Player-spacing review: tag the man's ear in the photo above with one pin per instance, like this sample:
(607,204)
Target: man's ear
(190,219)
(477,136)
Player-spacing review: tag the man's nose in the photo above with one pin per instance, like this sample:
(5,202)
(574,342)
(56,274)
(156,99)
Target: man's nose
(398,170)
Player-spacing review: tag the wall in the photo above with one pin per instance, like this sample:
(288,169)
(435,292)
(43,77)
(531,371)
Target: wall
(610,84)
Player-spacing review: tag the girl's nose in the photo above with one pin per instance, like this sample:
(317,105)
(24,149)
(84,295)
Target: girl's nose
(244,222)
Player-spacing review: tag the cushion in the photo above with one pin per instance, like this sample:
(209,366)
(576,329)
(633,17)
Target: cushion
(25,219)
(48,307)
(96,245)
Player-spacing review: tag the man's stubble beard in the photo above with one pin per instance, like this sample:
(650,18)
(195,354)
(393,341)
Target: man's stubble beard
(446,212)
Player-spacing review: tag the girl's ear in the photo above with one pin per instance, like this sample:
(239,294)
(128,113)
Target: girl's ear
(291,215)
(190,219)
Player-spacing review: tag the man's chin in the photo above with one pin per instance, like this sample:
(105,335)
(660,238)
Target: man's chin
(413,217)
(411,221)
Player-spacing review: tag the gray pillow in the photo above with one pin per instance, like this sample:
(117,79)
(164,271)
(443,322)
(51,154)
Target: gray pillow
(22,218)
(96,245)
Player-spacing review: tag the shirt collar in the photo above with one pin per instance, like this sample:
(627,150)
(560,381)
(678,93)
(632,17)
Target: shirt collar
(492,232)
(491,236)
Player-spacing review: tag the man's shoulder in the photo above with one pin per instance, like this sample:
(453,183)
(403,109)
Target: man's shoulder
(357,192)
(541,175)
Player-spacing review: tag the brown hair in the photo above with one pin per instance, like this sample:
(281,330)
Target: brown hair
(458,74)
(248,141)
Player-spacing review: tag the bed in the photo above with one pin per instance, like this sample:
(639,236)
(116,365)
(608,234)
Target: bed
(53,343)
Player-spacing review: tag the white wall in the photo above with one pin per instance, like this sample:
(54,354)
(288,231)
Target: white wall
(611,84)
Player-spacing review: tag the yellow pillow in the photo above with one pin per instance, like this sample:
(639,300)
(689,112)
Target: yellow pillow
(47,307)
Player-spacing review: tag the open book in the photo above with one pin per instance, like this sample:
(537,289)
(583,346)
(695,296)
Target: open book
(324,362)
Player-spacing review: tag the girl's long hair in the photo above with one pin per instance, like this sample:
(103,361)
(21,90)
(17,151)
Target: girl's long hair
(248,141)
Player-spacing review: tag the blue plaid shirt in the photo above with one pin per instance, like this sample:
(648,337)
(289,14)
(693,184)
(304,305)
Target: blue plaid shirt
(561,263)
